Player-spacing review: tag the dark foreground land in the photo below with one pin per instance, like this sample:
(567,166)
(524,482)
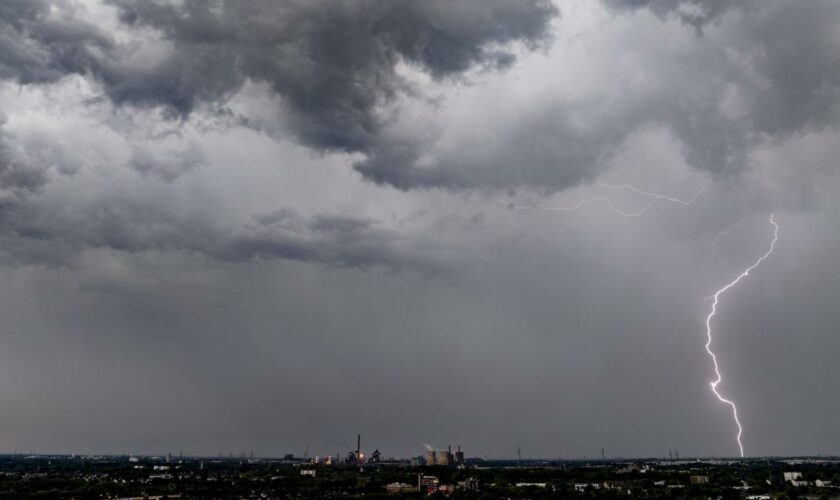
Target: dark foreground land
(152,477)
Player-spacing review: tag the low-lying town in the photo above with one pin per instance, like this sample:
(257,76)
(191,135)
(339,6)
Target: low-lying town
(436,473)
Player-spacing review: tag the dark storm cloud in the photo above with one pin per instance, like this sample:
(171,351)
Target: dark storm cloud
(38,45)
(543,149)
(330,239)
(771,72)
(333,63)
(694,12)
(780,61)
(147,260)
(334,66)
(56,236)
(791,47)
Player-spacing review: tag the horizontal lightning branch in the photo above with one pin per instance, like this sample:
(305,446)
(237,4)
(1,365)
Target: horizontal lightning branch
(654,197)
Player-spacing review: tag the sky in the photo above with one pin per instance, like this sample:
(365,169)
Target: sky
(235,226)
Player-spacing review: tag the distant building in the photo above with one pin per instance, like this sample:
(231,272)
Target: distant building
(469,484)
(615,485)
(446,489)
(396,488)
(531,485)
(792,476)
(459,457)
(819,483)
(583,487)
(699,479)
(427,484)
(634,467)
(307,472)
(443,457)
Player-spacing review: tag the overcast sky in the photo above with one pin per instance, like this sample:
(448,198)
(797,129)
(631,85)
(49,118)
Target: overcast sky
(254,225)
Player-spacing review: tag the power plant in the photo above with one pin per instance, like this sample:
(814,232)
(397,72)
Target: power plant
(444,457)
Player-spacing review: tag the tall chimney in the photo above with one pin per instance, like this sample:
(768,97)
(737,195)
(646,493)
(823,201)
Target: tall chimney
(358,444)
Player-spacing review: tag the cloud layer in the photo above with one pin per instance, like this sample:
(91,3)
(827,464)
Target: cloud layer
(326,217)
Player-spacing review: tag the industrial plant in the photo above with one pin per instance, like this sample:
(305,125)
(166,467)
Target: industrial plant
(441,457)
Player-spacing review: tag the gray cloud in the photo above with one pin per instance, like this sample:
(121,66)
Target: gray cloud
(331,239)
(334,65)
(697,13)
(25,163)
(779,62)
(335,70)
(168,164)
(57,236)
(762,75)
(544,150)
(38,45)
(17,172)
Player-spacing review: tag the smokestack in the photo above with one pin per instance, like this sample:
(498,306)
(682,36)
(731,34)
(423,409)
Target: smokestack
(358,444)
(459,457)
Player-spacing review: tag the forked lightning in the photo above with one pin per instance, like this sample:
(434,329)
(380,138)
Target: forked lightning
(715,300)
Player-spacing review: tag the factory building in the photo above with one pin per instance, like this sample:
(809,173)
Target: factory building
(444,457)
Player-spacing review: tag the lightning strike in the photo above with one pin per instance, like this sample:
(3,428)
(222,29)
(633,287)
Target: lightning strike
(727,231)
(655,196)
(715,300)
(723,233)
(624,213)
(599,198)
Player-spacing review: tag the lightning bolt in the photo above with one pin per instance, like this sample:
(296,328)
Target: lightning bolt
(600,198)
(715,301)
(654,197)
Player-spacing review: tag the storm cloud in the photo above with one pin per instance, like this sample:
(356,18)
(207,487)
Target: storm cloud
(235,225)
